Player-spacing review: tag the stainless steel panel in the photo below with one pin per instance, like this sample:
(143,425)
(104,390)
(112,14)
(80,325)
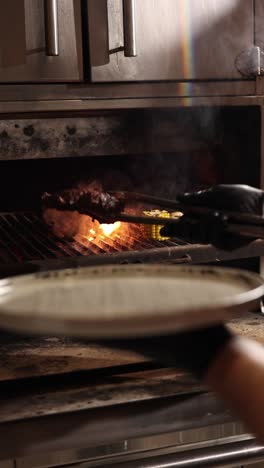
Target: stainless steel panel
(99,42)
(8,464)
(12,34)
(219,456)
(135,448)
(179,40)
(33,65)
(259,24)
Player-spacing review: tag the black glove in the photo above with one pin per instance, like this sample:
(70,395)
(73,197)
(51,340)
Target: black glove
(242,198)
(212,228)
(193,351)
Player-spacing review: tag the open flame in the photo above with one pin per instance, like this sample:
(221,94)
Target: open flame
(103,230)
(108,229)
(83,228)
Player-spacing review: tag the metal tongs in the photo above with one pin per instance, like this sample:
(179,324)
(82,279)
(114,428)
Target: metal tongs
(243,224)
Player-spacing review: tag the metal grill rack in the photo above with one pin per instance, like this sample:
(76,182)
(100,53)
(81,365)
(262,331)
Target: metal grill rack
(26,239)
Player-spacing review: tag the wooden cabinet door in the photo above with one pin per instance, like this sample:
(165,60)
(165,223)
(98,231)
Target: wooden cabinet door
(23,40)
(176,39)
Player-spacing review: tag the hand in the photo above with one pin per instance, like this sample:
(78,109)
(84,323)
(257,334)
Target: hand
(212,228)
(242,198)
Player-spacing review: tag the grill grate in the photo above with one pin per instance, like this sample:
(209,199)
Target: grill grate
(27,244)
(25,237)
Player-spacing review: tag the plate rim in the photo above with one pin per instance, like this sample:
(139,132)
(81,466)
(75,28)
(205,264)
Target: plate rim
(126,327)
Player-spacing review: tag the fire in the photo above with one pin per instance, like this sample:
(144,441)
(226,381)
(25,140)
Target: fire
(108,229)
(103,230)
(81,227)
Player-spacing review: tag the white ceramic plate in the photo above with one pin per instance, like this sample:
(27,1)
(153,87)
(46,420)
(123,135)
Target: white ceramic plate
(126,301)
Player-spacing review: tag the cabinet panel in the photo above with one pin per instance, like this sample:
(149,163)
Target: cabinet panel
(176,39)
(23,42)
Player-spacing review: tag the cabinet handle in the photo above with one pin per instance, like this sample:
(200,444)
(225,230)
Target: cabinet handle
(51,27)
(129,25)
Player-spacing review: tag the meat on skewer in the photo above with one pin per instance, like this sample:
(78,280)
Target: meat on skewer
(89,199)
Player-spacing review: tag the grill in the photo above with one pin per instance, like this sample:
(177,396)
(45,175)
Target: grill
(25,239)
(163,153)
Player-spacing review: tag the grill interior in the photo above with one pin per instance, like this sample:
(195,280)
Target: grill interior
(154,152)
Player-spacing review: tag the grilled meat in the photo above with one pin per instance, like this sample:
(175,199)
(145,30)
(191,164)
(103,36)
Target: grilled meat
(87,199)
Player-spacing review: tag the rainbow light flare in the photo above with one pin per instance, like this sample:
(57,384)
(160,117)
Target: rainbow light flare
(186,34)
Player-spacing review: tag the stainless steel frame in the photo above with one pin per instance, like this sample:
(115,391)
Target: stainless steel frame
(218,453)
(219,456)
(73,97)
(79,105)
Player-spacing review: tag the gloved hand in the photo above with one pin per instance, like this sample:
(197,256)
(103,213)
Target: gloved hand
(193,350)
(211,228)
(242,198)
